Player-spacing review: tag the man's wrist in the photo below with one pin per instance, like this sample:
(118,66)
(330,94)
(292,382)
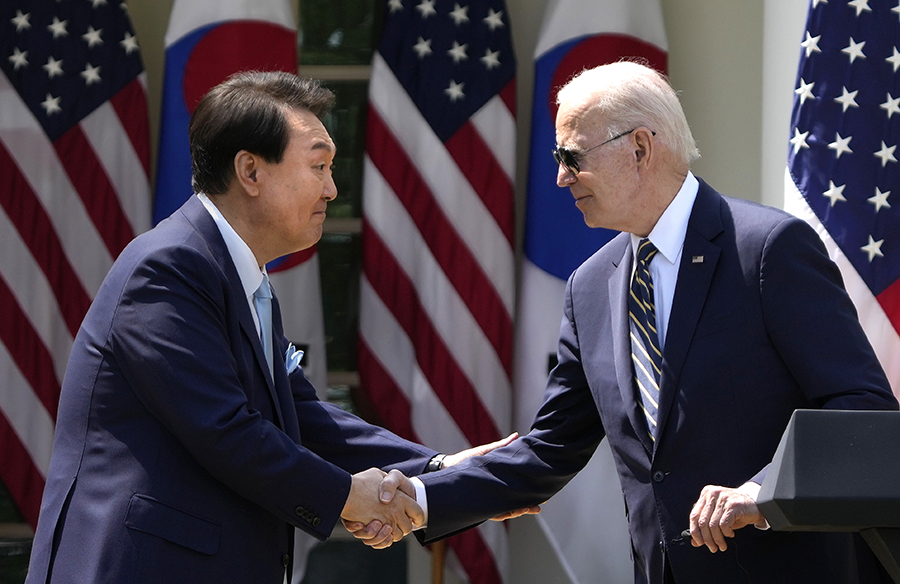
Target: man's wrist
(436,463)
(421,500)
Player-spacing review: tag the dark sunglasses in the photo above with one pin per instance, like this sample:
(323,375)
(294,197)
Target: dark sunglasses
(569,159)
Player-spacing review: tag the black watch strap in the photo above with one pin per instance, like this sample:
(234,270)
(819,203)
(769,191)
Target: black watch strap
(436,463)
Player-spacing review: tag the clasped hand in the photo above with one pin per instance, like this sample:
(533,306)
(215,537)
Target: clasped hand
(382,519)
(396,488)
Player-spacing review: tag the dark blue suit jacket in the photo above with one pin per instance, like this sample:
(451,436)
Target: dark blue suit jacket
(760,326)
(177,457)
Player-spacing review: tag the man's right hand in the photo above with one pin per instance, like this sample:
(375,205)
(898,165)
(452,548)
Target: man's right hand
(384,519)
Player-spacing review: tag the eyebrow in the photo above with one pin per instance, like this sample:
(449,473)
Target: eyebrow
(322,145)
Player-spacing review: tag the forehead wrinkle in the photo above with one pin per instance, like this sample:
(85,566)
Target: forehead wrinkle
(322,145)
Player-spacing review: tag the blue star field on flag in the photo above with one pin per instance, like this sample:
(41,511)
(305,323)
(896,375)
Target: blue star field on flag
(65,61)
(844,134)
(462,56)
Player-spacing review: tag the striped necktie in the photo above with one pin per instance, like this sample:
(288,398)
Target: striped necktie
(645,354)
(262,298)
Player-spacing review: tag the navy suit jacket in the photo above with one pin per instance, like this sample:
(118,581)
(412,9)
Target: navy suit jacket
(177,458)
(760,326)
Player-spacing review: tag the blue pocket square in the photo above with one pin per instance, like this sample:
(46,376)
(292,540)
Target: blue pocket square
(292,358)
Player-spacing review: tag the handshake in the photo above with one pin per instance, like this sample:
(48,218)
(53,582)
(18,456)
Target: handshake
(381,508)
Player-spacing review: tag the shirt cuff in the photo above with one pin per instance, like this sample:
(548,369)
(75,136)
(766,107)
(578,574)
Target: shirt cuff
(751,489)
(421,499)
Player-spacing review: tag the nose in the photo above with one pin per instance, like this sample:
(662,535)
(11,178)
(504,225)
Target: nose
(564,176)
(330,191)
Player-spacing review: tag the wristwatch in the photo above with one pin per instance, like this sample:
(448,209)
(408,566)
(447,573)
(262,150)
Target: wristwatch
(436,463)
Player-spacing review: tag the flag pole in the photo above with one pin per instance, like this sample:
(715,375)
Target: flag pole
(438,557)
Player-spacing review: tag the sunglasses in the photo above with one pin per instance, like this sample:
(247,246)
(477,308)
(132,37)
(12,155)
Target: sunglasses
(569,159)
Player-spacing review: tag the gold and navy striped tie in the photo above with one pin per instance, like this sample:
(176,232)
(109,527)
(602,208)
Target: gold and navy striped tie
(645,354)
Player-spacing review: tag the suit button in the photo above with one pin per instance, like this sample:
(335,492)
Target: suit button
(316,522)
(659,476)
(300,511)
(285,560)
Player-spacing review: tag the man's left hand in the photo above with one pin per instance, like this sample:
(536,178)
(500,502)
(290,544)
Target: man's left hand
(718,513)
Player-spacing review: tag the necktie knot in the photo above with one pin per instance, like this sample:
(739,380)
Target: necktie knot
(265,290)
(646,251)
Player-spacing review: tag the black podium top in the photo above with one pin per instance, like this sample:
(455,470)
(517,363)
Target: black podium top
(835,470)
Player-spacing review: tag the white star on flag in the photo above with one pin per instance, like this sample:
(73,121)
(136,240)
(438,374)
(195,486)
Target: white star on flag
(811,44)
(880,199)
(422,48)
(494,20)
(53,67)
(490,59)
(840,145)
(93,37)
(834,193)
(854,50)
(886,154)
(426,8)
(91,74)
(58,27)
(129,43)
(455,91)
(873,248)
(860,5)
(894,59)
(51,105)
(19,58)
(847,99)
(891,106)
(799,140)
(805,91)
(21,21)
(458,52)
(459,14)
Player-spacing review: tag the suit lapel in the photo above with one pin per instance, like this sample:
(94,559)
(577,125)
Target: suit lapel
(619,286)
(698,264)
(203,222)
(281,387)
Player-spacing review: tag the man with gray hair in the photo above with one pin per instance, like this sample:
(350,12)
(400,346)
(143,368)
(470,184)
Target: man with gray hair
(688,341)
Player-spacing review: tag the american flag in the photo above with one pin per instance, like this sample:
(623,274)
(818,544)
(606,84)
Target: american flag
(843,160)
(437,290)
(74,190)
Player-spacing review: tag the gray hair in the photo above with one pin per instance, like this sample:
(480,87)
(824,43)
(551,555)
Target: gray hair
(631,95)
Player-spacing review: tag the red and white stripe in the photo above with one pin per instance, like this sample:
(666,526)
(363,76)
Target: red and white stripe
(438,285)
(66,211)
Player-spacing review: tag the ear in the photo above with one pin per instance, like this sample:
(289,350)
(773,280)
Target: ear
(246,170)
(644,147)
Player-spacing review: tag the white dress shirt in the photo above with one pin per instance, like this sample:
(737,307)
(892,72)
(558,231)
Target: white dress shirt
(668,237)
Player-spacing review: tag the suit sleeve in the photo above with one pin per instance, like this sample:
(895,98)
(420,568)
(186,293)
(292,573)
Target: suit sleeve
(349,442)
(170,337)
(565,433)
(814,326)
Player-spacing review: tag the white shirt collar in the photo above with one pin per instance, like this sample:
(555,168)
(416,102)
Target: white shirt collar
(669,232)
(250,273)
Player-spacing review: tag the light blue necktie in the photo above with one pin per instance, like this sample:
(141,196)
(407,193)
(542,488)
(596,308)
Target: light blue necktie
(263,300)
